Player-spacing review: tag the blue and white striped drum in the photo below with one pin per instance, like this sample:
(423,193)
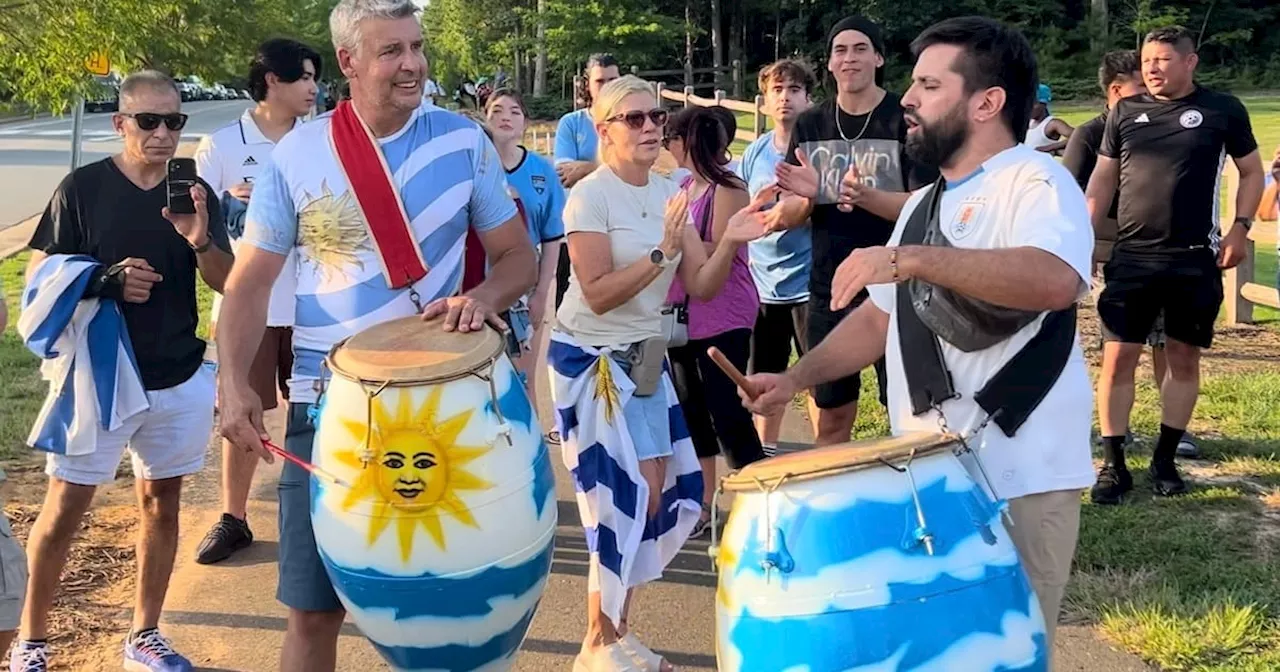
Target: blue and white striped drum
(439,537)
(875,556)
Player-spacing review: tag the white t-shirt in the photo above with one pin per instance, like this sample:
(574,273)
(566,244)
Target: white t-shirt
(602,203)
(1019,198)
(231,155)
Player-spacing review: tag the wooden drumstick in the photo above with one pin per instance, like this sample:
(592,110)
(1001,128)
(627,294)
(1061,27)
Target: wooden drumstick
(734,374)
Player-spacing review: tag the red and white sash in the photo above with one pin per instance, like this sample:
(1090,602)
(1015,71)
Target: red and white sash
(362,163)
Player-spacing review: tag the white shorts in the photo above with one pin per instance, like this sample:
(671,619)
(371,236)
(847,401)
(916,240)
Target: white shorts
(165,441)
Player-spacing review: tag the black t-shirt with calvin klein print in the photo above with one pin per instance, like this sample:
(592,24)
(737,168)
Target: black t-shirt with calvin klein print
(875,146)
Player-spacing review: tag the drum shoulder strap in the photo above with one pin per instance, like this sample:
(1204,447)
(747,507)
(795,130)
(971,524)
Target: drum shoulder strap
(928,380)
(1017,389)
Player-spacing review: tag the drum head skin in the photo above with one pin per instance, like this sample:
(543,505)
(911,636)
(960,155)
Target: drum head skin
(410,350)
(838,458)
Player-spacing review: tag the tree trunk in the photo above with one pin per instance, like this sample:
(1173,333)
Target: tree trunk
(688,42)
(717,37)
(1100,15)
(540,61)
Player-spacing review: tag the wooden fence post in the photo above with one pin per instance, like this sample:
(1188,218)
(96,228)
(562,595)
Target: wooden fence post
(577,86)
(759,117)
(737,79)
(688,93)
(718,96)
(659,88)
(1239,309)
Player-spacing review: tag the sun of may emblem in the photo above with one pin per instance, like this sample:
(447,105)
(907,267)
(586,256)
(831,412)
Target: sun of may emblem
(417,471)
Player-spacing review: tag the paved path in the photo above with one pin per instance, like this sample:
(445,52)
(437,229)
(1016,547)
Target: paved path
(36,155)
(226,618)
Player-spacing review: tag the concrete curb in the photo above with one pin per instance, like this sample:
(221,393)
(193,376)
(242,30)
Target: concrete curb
(14,239)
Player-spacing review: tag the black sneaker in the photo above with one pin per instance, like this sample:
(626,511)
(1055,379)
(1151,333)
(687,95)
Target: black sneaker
(1165,479)
(1112,483)
(227,536)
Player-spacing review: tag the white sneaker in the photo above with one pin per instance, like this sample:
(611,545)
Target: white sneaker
(29,657)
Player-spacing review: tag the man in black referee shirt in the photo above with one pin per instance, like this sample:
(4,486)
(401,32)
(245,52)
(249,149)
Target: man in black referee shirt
(1164,150)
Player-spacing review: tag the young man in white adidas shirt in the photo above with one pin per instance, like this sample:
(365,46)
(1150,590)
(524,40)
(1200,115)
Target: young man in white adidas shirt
(282,79)
(1019,237)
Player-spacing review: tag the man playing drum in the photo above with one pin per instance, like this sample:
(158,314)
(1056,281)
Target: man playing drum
(376,200)
(983,271)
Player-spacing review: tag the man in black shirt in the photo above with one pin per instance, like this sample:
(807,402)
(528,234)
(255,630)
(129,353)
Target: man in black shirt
(1164,150)
(116,211)
(847,172)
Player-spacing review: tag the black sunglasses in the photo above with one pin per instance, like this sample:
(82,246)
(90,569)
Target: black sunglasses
(150,121)
(635,120)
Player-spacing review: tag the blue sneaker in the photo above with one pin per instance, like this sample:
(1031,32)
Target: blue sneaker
(28,657)
(150,652)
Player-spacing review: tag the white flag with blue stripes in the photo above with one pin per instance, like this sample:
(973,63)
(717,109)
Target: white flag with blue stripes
(627,547)
(88,357)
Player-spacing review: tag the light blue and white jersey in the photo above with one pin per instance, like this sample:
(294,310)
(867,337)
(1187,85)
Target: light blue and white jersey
(576,138)
(448,175)
(780,261)
(538,186)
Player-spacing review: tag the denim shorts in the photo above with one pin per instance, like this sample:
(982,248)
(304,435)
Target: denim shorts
(649,419)
(303,583)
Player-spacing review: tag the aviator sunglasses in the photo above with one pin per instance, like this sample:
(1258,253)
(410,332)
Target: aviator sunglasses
(635,120)
(150,121)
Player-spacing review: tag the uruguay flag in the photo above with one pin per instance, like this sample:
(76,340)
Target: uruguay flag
(88,357)
(627,548)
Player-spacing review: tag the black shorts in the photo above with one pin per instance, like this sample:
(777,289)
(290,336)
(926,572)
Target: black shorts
(843,391)
(562,275)
(778,326)
(1187,289)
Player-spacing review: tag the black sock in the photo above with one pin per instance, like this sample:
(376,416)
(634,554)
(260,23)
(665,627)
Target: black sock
(134,637)
(1113,451)
(1167,444)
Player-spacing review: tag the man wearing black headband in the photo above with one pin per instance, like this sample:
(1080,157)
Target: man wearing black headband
(847,171)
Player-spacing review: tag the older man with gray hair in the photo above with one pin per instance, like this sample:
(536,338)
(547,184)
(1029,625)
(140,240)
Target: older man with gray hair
(385,144)
(115,211)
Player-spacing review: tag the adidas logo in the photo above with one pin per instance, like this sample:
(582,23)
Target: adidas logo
(1142,119)
(250,162)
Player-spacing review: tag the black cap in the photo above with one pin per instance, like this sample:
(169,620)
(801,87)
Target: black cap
(861,24)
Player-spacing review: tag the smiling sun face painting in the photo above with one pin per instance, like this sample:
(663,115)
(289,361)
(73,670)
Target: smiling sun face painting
(417,472)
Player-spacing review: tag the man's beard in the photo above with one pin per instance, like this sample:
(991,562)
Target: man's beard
(935,143)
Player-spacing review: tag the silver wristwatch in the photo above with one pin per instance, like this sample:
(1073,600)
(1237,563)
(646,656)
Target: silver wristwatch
(659,258)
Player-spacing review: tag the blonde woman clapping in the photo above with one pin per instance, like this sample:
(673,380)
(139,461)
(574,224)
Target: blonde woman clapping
(618,414)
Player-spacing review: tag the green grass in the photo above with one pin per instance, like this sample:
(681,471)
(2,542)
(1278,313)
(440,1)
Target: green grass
(22,391)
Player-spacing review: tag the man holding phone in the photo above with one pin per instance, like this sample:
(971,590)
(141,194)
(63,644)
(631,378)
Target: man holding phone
(120,212)
(282,79)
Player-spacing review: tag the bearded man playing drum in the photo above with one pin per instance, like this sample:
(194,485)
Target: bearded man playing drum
(973,299)
(376,199)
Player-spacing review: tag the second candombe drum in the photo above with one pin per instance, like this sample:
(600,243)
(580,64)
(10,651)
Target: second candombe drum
(879,555)
(439,538)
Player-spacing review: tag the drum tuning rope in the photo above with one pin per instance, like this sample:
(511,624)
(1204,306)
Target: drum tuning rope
(714,549)
(922,534)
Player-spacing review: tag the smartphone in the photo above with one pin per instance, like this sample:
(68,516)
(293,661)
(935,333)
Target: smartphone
(181,177)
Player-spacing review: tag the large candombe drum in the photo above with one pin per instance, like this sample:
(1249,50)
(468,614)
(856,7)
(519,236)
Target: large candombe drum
(826,565)
(439,539)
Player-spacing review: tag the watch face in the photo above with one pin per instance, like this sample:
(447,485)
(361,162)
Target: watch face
(657,256)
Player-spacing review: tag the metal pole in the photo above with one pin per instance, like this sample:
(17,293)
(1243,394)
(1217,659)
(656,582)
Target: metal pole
(77,132)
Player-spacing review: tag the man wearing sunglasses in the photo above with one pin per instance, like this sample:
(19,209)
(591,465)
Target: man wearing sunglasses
(116,211)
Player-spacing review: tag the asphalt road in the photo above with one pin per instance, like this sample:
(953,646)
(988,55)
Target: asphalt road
(36,155)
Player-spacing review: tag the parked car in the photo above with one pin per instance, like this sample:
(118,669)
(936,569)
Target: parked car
(103,98)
